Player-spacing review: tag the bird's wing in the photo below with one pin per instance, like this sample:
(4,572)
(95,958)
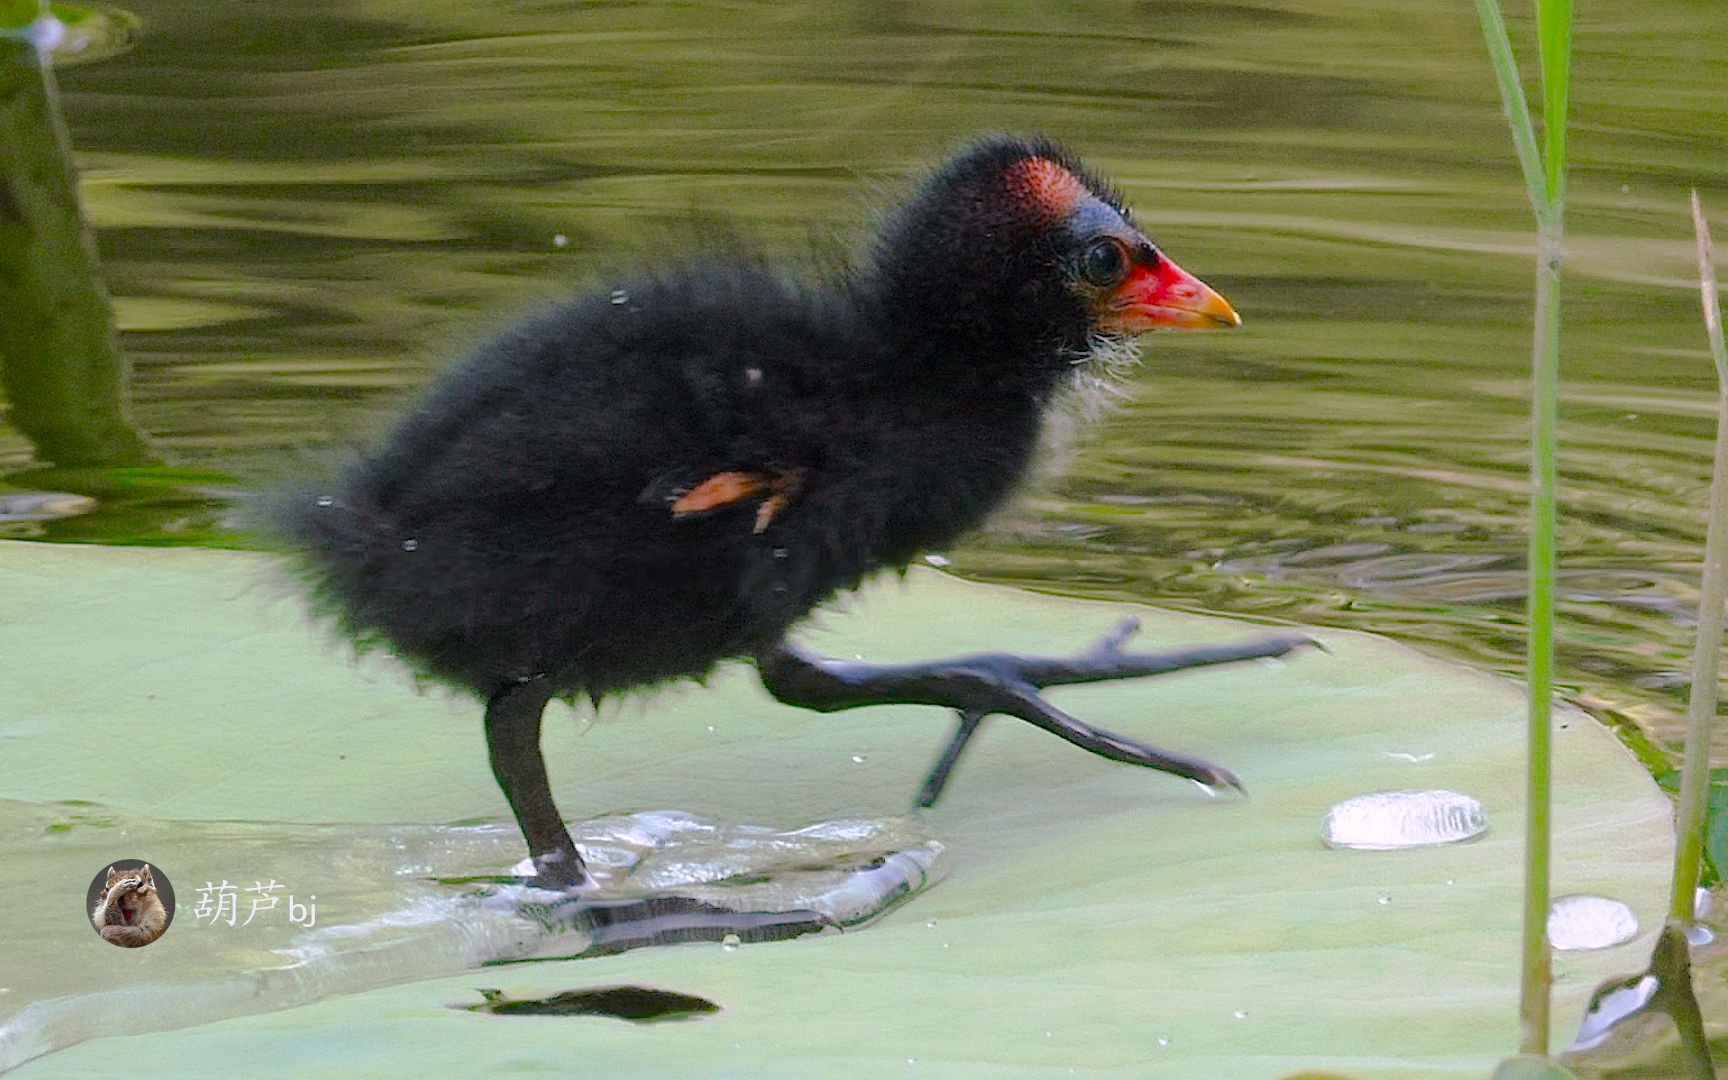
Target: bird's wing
(774,486)
(720,489)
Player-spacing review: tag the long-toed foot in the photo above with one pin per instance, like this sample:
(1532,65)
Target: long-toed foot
(1008,683)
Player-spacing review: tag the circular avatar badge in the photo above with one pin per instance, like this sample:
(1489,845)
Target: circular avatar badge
(130,903)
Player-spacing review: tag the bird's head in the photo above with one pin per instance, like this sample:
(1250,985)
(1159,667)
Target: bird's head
(1021,262)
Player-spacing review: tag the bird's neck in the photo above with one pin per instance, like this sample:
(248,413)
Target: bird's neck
(962,312)
(970,348)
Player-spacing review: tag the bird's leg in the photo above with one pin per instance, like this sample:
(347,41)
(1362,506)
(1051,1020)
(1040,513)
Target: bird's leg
(1007,683)
(513,742)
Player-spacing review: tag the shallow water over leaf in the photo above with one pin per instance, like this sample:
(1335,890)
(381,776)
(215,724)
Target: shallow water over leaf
(402,903)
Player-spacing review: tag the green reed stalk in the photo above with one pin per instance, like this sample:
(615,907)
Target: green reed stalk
(1707,649)
(1545,175)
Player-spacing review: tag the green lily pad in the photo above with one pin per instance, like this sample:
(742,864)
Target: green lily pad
(1097,917)
(1530,1067)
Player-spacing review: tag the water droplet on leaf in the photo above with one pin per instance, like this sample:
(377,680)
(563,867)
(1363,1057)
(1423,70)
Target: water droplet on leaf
(1388,820)
(1589,922)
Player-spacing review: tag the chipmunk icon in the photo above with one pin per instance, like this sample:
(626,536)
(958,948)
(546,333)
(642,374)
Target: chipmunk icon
(129,912)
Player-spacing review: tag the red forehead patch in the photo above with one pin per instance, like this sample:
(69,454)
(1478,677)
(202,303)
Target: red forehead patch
(1044,188)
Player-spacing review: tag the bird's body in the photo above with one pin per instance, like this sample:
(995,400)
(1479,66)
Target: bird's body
(517,522)
(647,480)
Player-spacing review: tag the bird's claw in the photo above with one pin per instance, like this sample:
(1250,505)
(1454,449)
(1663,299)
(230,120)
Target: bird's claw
(1213,778)
(1277,645)
(1220,779)
(560,871)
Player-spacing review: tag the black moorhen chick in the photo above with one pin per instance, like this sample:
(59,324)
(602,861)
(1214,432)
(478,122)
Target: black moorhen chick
(643,482)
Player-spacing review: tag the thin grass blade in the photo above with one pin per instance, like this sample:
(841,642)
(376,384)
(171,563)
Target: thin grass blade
(1512,99)
(1554,43)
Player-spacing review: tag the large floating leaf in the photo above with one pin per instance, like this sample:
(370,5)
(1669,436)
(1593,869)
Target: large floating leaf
(1097,917)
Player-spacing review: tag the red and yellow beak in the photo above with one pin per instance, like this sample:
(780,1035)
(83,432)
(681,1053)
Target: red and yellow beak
(1163,296)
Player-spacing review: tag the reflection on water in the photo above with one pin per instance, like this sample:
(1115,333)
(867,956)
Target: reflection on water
(1648,1024)
(389,907)
(303,217)
(42,506)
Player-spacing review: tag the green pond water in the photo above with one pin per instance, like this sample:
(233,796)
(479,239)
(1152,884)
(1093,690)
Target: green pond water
(304,213)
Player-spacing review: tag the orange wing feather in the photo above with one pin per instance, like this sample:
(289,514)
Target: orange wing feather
(724,489)
(721,489)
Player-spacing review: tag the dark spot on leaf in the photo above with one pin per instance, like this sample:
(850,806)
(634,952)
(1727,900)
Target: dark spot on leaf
(478,879)
(639,1004)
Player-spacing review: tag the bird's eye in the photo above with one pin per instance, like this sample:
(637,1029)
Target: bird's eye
(1104,263)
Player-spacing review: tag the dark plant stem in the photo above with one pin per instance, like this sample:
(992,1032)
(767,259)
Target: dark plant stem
(60,361)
